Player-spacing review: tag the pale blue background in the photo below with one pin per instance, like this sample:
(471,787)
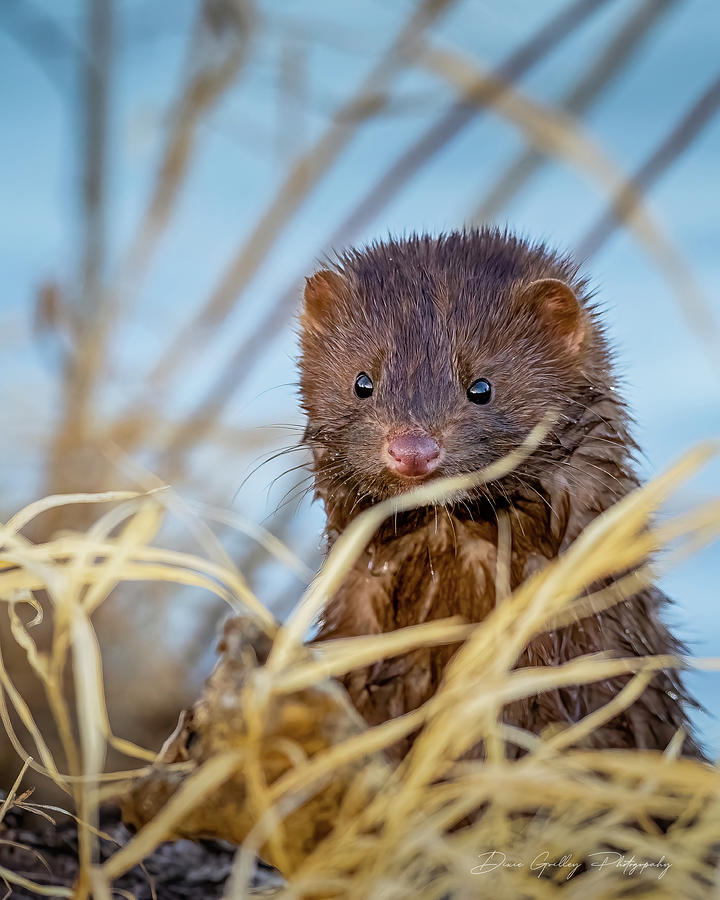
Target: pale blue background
(671,385)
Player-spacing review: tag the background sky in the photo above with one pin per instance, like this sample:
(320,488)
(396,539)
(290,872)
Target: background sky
(304,60)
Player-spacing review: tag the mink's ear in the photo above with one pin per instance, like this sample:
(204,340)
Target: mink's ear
(322,292)
(557,306)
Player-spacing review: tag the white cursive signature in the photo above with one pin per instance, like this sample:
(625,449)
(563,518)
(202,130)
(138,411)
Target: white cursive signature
(493,860)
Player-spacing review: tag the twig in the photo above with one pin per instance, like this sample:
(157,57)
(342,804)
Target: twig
(625,204)
(680,137)
(579,98)
(198,96)
(83,364)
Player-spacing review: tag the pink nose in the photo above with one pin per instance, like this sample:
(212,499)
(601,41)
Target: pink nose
(413,455)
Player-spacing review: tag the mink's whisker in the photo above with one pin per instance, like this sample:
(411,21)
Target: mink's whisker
(271,456)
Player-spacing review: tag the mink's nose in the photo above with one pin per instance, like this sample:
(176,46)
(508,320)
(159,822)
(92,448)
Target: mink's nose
(413,455)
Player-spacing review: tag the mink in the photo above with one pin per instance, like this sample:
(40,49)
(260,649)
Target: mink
(430,356)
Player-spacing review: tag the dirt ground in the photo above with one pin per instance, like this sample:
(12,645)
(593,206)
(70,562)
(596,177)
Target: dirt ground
(183,870)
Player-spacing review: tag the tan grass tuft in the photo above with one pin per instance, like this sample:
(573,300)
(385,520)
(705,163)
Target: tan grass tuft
(395,831)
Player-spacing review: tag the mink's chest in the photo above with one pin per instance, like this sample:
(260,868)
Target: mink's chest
(444,568)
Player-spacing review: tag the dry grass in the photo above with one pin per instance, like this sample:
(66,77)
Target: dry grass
(399,841)
(394,836)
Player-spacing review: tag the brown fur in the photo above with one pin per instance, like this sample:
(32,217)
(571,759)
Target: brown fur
(425,317)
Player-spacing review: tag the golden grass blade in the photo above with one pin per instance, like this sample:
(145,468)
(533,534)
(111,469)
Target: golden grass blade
(28,721)
(93,726)
(504,557)
(191,570)
(38,856)
(363,745)
(22,579)
(586,726)
(130,748)
(90,695)
(20,632)
(209,777)
(101,887)
(143,525)
(261,535)
(174,503)
(10,796)
(42,889)
(478,701)
(33,510)
(192,513)
(345,654)
(17,746)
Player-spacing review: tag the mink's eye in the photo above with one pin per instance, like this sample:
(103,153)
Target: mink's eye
(363,386)
(480,392)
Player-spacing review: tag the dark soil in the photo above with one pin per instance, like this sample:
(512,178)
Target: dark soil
(183,870)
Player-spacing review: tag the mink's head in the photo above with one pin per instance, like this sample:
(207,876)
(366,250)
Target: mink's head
(436,356)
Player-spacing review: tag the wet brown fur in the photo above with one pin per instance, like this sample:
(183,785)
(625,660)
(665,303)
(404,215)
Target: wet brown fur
(424,317)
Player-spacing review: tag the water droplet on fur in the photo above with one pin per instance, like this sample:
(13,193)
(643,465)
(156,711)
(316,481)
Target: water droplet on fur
(377,571)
